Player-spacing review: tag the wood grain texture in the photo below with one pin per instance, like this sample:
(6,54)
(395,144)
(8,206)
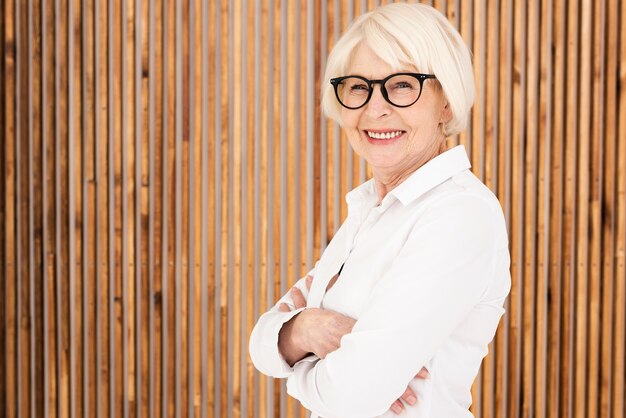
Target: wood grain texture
(168,174)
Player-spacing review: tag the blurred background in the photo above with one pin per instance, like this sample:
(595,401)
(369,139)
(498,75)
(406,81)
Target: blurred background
(167,174)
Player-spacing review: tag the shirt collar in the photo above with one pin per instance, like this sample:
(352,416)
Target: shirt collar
(425,178)
(431,174)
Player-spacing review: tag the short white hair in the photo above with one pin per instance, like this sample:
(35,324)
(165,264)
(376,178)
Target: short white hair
(414,35)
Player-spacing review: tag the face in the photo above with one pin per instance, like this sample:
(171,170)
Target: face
(394,141)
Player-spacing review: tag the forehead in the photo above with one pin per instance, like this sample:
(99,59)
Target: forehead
(365,62)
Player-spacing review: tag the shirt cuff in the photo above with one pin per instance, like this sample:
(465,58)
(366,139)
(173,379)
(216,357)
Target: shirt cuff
(264,344)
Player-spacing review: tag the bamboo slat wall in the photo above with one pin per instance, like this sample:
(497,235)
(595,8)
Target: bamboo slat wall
(167,175)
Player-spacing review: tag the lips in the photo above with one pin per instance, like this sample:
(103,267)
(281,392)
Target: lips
(384,135)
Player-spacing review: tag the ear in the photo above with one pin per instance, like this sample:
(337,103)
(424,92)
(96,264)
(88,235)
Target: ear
(446,114)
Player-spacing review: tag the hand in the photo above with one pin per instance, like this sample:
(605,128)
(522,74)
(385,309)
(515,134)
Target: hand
(317,331)
(296,295)
(298,298)
(408,396)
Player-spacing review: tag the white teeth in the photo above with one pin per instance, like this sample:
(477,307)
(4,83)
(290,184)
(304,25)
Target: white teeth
(383,135)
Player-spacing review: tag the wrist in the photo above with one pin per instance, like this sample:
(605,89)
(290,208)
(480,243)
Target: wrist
(290,343)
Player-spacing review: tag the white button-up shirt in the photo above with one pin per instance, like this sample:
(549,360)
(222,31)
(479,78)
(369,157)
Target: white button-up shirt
(425,274)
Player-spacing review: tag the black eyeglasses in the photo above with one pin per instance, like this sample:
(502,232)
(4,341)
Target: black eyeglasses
(400,90)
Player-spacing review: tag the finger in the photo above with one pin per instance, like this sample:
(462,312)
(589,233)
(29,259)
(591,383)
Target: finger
(283,307)
(309,280)
(397,407)
(298,299)
(409,396)
(423,373)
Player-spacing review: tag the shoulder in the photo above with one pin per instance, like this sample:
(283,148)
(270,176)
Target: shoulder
(466,204)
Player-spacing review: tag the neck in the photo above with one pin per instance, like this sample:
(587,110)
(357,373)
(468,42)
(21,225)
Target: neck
(387,180)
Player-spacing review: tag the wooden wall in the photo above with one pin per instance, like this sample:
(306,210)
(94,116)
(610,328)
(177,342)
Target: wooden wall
(167,175)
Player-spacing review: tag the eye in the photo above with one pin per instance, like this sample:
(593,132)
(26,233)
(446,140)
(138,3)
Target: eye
(359,87)
(399,85)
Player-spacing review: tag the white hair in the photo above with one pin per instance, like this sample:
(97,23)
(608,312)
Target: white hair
(408,35)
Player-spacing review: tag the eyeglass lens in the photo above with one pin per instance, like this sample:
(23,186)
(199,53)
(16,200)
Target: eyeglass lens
(402,90)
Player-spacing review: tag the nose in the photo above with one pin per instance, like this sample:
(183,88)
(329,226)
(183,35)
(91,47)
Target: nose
(377,106)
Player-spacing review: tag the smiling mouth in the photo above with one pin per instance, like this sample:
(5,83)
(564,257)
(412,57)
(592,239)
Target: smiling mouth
(384,135)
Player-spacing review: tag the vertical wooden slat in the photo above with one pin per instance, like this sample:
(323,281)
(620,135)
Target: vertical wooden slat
(463,23)
(216,12)
(554,382)
(343,153)
(597,139)
(321,145)
(57,229)
(76,214)
(519,389)
(510,337)
(334,146)
(347,154)
(155,209)
(532,233)
(17,201)
(248,237)
(250,202)
(205,355)
(290,18)
(86,221)
(544,144)
(138,221)
(619,345)
(300,197)
(192,225)
(102,216)
(10,133)
(318,128)
(256,384)
(182,271)
(178,138)
(197,108)
(221,134)
(569,257)
(111,271)
(265,399)
(45,85)
(204,245)
(73,387)
(123,321)
(280,134)
(236,186)
(270,139)
(211,131)
(583,165)
(165,264)
(3,214)
(489,129)
(610,216)
(32,319)
(98,72)
(171,167)
(152,369)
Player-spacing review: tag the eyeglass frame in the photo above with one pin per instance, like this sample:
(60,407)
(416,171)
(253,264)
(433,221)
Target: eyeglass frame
(370,83)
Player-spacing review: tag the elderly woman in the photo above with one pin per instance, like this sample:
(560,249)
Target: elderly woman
(399,311)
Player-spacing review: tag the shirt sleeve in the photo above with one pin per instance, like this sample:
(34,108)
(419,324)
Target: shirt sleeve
(263,345)
(440,274)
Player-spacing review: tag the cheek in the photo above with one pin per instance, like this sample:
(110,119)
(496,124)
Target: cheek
(350,118)
(423,135)
(354,137)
